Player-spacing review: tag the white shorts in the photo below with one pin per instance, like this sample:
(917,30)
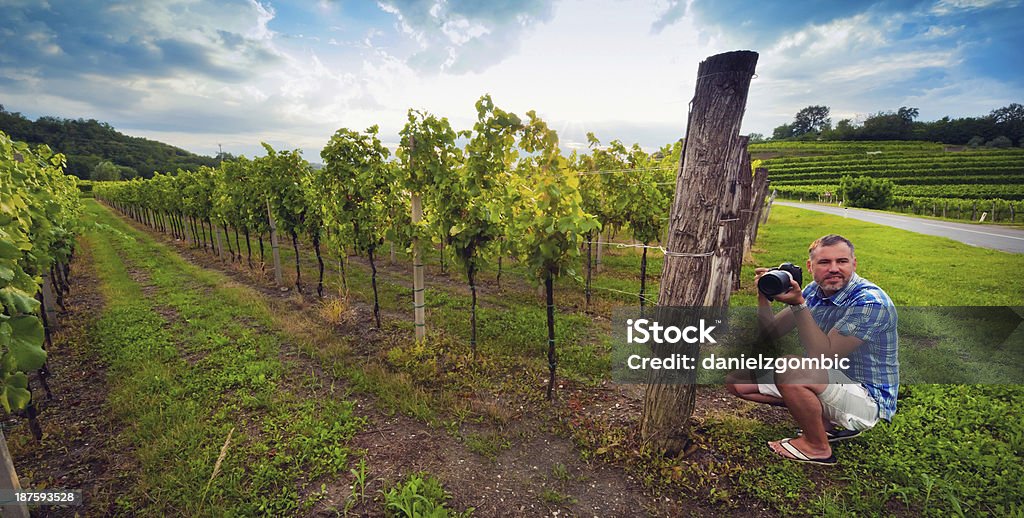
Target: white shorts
(844,402)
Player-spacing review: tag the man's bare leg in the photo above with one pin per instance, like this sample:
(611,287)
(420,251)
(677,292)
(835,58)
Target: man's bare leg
(743,385)
(805,407)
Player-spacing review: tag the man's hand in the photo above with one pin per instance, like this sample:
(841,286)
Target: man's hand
(792,297)
(761,299)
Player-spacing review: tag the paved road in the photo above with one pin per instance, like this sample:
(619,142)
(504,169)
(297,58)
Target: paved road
(995,237)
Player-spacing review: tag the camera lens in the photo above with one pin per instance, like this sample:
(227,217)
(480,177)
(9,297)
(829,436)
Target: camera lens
(775,283)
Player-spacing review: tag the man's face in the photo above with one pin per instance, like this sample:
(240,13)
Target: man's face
(832,267)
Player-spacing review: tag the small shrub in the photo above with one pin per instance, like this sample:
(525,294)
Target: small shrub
(1000,142)
(417,359)
(867,192)
(420,495)
(336,310)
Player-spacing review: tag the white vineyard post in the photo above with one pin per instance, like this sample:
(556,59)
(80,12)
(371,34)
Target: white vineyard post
(220,247)
(274,245)
(417,273)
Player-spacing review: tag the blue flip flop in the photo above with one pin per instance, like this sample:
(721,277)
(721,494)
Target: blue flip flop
(842,435)
(837,435)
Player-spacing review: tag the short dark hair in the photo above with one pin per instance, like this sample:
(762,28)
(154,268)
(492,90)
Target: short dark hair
(829,240)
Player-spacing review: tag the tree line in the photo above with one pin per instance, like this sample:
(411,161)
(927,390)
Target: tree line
(96,151)
(1002,127)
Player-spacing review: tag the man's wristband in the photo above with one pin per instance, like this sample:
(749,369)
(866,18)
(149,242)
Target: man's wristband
(796,308)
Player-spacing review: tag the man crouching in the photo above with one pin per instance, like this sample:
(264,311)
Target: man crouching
(839,314)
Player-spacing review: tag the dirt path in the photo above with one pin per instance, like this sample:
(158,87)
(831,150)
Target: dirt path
(79,448)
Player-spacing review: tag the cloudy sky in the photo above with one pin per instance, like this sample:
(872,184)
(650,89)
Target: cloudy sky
(198,73)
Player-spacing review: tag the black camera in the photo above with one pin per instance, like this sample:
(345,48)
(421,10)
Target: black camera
(777,280)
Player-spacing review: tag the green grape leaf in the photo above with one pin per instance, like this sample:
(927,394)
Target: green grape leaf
(6,274)
(17,301)
(27,342)
(15,394)
(9,250)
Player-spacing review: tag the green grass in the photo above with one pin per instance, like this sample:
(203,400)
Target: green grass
(488,444)
(184,371)
(914,269)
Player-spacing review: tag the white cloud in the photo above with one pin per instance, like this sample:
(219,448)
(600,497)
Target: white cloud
(939,31)
(261,29)
(844,35)
(944,7)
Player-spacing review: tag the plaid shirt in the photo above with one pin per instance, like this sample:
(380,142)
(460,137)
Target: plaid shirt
(863,310)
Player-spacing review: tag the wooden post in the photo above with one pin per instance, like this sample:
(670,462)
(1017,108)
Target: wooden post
(49,298)
(745,182)
(728,225)
(768,209)
(723,81)
(417,273)
(9,481)
(274,246)
(756,207)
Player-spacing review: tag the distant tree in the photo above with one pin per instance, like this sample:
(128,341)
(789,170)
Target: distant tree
(1009,121)
(1002,141)
(889,125)
(976,141)
(812,119)
(866,192)
(844,130)
(783,132)
(127,173)
(105,171)
(1012,113)
(754,139)
(907,115)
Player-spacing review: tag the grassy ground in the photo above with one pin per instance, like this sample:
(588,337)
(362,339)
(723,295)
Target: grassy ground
(1018,221)
(190,366)
(950,447)
(898,468)
(195,358)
